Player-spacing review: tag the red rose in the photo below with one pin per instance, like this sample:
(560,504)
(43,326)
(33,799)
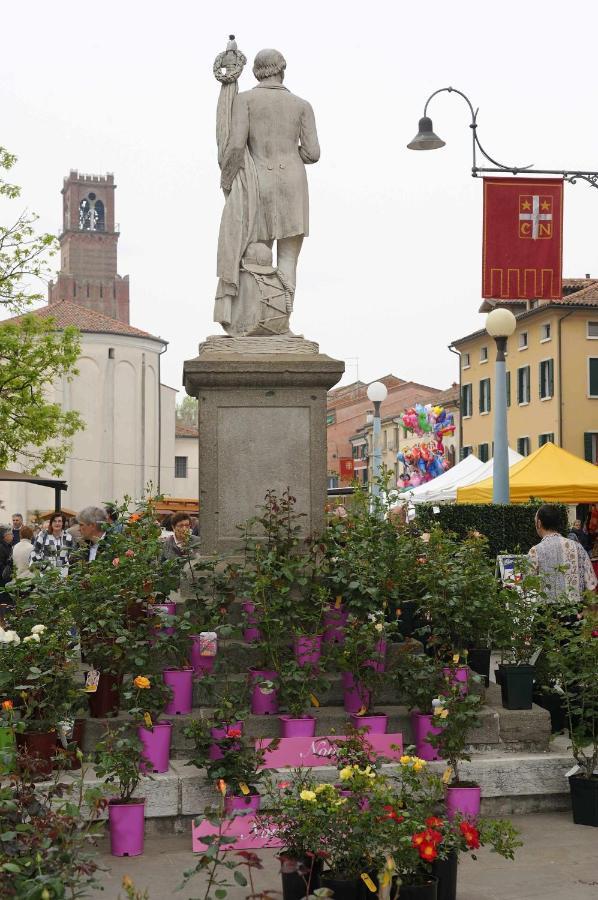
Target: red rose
(595,632)
(428,852)
(434,822)
(233,733)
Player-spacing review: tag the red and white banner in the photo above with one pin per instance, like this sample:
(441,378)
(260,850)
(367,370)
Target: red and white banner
(347,468)
(523,238)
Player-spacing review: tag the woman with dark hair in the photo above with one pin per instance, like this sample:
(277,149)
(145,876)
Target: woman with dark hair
(53,547)
(563,564)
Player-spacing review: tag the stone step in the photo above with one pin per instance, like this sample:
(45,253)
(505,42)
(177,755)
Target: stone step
(514,730)
(512,783)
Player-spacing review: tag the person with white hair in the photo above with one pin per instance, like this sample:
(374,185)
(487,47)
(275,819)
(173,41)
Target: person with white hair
(93,523)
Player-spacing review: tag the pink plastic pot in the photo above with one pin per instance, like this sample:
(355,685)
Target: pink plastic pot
(334,625)
(375,724)
(422,728)
(458,676)
(181,683)
(303,727)
(167,609)
(264,702)
(126,822)
(218,734)
(355,696)
(308,649)
(251,632)
(156,747)
(378,664)
(202,665)
(463,800)
(242,804)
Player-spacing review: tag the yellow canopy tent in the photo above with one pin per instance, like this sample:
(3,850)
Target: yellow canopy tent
(550,473)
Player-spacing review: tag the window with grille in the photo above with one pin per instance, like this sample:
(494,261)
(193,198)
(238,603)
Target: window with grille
(466,451)
(593,329)
(590,446)
(545,332)
(485,395)
(547,438)
(483,452)
(523,340)
(180,466)
(465,360)
(523,385)
(467,400)
(484,354)
(546,379)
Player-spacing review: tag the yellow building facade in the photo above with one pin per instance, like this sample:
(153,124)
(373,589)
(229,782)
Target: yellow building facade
(552,378)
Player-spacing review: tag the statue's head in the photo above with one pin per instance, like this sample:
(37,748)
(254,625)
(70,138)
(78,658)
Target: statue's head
(268,63)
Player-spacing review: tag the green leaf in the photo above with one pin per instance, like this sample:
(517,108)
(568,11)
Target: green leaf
(220,893)
(12,867)
(239,878)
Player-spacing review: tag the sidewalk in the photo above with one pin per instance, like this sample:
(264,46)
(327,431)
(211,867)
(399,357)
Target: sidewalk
(559,861)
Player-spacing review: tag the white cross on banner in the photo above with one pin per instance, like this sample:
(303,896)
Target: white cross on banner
(535,217)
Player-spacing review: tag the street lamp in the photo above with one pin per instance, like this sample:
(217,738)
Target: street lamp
(377,393)
(500,324)
(426,139)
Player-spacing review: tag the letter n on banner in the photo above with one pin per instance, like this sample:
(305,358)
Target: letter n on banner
(522,255)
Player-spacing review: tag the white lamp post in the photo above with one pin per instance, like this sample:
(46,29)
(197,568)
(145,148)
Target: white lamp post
(500,324)
(377,393)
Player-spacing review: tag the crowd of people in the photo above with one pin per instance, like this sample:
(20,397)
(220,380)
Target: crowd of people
(54,541)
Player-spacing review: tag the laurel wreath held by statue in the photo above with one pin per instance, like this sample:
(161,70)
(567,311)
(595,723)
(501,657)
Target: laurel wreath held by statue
(231,72)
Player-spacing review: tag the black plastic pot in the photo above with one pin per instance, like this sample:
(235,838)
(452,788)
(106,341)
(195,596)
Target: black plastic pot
(445,871)
(555,706)
(584,799)
(478,659)
(428,891)
(407,620)
(344,888)
(517,686)
(300,877)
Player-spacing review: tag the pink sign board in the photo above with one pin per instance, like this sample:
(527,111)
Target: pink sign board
(316,751)
(243,827)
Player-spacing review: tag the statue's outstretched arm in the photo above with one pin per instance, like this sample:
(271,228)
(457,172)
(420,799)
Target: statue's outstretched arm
(309,147)
(235,148)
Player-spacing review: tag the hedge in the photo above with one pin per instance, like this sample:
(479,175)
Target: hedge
(508,527)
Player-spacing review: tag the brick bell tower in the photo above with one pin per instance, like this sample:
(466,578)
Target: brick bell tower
(88,242)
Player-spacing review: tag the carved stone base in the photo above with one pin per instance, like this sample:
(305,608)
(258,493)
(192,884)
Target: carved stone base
(283,343)
(262,425)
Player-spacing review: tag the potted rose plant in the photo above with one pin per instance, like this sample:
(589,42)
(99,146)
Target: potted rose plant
(362,659)
(145,698)
(519,637)
(170,655)
(299,688)
(119,759)
(419,680)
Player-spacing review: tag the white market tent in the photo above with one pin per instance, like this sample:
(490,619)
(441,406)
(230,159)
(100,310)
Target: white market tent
(443,489)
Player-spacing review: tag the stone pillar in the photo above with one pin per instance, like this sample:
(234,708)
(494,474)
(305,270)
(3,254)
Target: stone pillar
(262,425)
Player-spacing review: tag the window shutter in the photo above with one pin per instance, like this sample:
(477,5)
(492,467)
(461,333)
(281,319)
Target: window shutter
(519,385)
(541,381)
(551,377)
(593,377)
(481,398)
(489,395)
(508,388)
(587,446)
(528,395)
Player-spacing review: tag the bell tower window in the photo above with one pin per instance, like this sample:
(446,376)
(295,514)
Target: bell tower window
(91,214)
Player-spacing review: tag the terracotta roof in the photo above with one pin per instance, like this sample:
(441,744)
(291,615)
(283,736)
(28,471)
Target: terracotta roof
(66,313)
(186,430)
(451,395)
(588,296)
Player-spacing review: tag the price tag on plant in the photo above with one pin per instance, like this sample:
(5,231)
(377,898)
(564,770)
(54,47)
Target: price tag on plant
(148,720)
(368,882)
(338,602)
(208,643)
(91,681)
(244,789)
(314,700)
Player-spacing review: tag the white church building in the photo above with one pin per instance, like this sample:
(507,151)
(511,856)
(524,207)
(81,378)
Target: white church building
(130,437)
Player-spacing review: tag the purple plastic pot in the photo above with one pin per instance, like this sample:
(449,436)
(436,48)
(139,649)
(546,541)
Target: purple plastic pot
(219,733)
(464,800)
(251,633)
(263,702)
(422,727)
(156,747)
(239,803)
(168,609)
(181,683)
(458,676)
(202,665)
(355,696)
(334,625)
(378,664)
(126,827)
(375,724)
(308,649)
(303,727)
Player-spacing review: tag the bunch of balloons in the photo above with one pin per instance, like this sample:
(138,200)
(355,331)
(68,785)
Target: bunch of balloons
(422,463)
(428,419)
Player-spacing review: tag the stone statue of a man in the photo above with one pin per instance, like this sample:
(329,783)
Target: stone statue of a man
(272,136)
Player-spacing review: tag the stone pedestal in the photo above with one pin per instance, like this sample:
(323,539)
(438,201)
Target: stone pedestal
(262,425)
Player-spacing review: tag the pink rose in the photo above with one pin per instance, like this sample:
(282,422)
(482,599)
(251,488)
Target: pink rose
(116,561)
(130,553)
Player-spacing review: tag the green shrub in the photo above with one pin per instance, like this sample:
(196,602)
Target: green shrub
(508,527)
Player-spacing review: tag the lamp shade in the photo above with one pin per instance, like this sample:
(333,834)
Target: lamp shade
(425,139)
(377,392)
(500,323)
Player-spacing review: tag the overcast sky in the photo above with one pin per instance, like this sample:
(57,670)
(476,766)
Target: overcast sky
(391,270)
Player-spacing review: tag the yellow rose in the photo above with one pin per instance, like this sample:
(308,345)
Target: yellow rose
(141,682)
(308,795)
(321,787)
(346,773)
(418,765)
(405,760)
(443,713)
